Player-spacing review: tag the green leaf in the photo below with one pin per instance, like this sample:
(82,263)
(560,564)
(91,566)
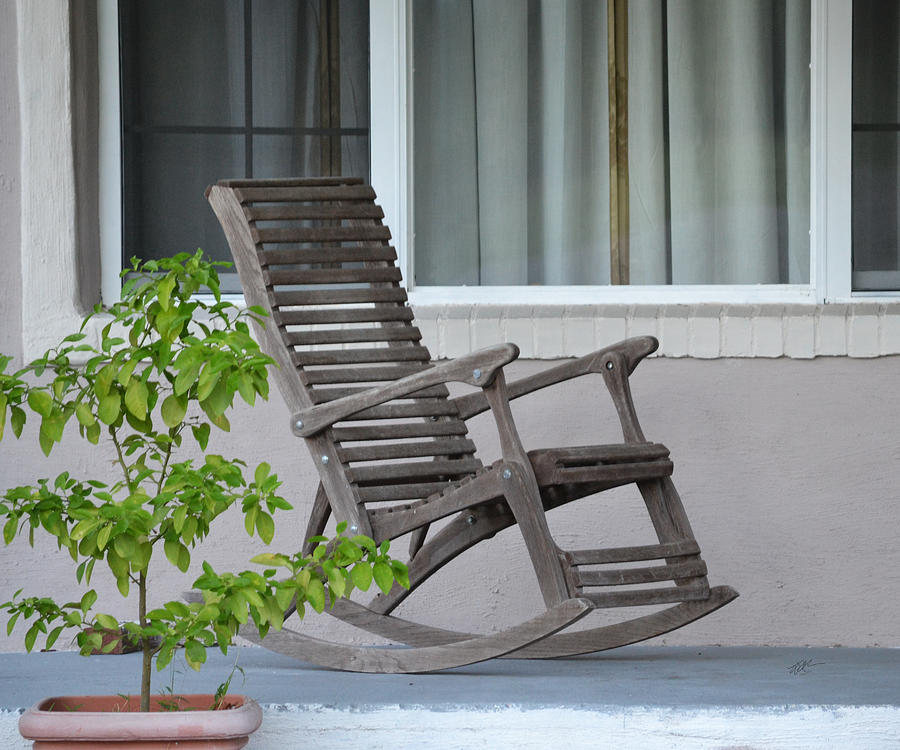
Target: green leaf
(361,573)
(109,409)
(177,554)
(9,529)
(173,409)
(93,433)
(40,402)
(262,471)
(265,525)
(53,425)
(136,398)
(336,582)
(315,595)
(87,601)
(124,375)
(124,545)
(31,636)
(103,536)
(54,634)
(384,576)
(201,435)
(17,420)
(3,402)
(164,291)
(194,653)
(107,621)
(186,377)
(85,415)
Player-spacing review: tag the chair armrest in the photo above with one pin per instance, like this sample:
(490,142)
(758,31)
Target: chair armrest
(630,352)
(478,368)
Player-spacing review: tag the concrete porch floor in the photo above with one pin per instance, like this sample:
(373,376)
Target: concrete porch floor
(641,697)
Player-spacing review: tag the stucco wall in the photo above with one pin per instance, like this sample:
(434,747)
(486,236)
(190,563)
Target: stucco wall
(10,268)
(788,470)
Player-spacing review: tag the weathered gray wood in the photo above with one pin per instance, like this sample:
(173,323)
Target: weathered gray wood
(628,576)
(388,451)
(362,356)
(333,375)
(287,277)
(634,554)
(392,447)
(352,335)
(555,646)
(478,368)
(397,432)
(647,597)
(324,395)
(298,194)
(409,469)
(425,659)
(339,296)
(346,315)
(358,253)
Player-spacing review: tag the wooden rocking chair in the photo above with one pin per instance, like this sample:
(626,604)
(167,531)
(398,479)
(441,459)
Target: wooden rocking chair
(393,454)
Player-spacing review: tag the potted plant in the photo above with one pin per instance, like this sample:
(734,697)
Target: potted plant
(167,369)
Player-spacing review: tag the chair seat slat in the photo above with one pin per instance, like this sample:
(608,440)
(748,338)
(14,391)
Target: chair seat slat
(416,469)
(420,449)
(322,234)
(425,408)
(635,554)
(307,212)
(324,395)
(640,597)
(331,375)
(330,315)
(277,277)
(390,492)
(238,182)
(401,431)
(327,254)
(340,296)
(352,335)
(289,193)
(352,356)
(655,574)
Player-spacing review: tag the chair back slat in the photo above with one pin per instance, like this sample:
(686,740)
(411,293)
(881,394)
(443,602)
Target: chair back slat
(318,254)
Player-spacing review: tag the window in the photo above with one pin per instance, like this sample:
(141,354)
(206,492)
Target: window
(596,143)
(393,146)
(212,89)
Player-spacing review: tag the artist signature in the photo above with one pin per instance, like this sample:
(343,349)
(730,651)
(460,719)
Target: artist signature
(803,666)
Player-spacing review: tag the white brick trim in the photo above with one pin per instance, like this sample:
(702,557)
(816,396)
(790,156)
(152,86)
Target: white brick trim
(705,331)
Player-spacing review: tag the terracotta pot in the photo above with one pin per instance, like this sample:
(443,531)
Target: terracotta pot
(112,722)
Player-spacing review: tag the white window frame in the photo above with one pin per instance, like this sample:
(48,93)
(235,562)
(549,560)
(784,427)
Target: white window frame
(392,141)
(698,321)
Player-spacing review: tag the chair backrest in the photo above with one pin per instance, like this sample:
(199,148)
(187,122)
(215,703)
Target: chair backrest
(315,254)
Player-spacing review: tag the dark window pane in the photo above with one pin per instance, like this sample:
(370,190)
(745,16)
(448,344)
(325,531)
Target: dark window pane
(876,146)
(183,62)
(166,212)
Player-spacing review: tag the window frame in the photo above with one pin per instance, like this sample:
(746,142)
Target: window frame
(767,317)
(830,133)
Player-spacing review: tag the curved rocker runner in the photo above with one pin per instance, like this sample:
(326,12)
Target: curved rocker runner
(394,455)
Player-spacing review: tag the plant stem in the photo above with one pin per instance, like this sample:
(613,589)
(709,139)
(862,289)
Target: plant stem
(146,646)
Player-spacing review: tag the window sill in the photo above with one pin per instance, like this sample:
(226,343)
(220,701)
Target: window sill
(705,331)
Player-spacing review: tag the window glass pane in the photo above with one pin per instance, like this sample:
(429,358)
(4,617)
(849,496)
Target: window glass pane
(514,182)
(216,89)
(876,145)
(164,192)
(184,62)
